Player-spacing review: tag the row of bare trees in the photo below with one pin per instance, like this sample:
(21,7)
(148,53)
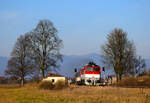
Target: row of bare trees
(119,53)
(35,51)
(38,52)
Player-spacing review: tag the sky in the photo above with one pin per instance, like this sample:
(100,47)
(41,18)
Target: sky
(82,24)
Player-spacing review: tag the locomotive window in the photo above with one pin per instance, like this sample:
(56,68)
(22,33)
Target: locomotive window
(89,69)
(96,69)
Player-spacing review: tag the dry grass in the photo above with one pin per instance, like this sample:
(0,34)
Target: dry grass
(74,94)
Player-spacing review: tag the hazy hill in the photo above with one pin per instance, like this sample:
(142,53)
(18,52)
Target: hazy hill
(69,63)
(3,64)
(74,61)
(147,63)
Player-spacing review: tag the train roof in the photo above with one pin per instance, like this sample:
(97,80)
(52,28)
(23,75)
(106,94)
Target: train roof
(91,63)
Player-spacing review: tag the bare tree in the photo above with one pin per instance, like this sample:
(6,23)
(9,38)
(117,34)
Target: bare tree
(135,65)
(46,46)
(118,51)
(20,64)
(139,66)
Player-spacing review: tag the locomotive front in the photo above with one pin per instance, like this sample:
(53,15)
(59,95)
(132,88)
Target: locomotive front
(90,74)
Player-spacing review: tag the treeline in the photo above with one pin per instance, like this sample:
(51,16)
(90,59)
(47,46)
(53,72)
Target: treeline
(35,53)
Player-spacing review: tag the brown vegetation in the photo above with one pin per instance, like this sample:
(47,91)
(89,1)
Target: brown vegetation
(60,84)
(143,81)
(48,85)
(74,94)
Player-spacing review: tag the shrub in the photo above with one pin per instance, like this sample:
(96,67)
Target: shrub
(60,84)
(46,85)
(148,73)
(127,81)
(142,81)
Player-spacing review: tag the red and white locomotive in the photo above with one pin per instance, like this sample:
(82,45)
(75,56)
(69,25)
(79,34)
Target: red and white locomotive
(90,74)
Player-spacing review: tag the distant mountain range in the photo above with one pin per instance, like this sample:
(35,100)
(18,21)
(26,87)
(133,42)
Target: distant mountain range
(3,64)
(69,63)
(74,61)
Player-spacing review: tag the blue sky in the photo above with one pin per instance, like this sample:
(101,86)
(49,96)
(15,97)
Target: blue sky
(82,24)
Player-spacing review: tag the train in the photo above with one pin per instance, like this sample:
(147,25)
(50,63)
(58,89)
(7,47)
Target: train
(90,74)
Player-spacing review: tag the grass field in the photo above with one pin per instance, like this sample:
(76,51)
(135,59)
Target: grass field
(74,94)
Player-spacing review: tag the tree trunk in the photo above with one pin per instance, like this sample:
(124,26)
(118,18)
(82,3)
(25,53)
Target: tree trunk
(134,72)
(22,76)
(116,74)
(43,73)
(120,76)
(22,81)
